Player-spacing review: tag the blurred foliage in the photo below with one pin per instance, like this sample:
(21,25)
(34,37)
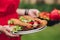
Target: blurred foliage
(40,6)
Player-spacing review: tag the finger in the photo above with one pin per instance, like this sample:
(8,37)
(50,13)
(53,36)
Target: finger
(10,34)
(8,28)
(31,14)
(36,12)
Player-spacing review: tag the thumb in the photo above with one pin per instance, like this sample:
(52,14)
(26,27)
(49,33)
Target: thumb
(10,34)
(8,28)
(7,31)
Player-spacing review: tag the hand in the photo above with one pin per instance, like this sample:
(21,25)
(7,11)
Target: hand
(33,12)
(6,31)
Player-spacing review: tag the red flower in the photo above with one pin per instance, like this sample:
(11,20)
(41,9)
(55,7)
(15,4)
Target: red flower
(54,16)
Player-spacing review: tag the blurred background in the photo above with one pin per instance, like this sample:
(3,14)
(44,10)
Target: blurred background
(42,5)
(51,32)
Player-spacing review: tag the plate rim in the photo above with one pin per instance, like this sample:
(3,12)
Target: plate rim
(31,31)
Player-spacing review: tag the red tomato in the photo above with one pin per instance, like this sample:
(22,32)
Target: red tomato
(31,22)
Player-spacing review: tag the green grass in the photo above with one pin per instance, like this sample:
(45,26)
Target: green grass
(50,33)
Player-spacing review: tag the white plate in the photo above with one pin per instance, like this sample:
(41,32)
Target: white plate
(29,31)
